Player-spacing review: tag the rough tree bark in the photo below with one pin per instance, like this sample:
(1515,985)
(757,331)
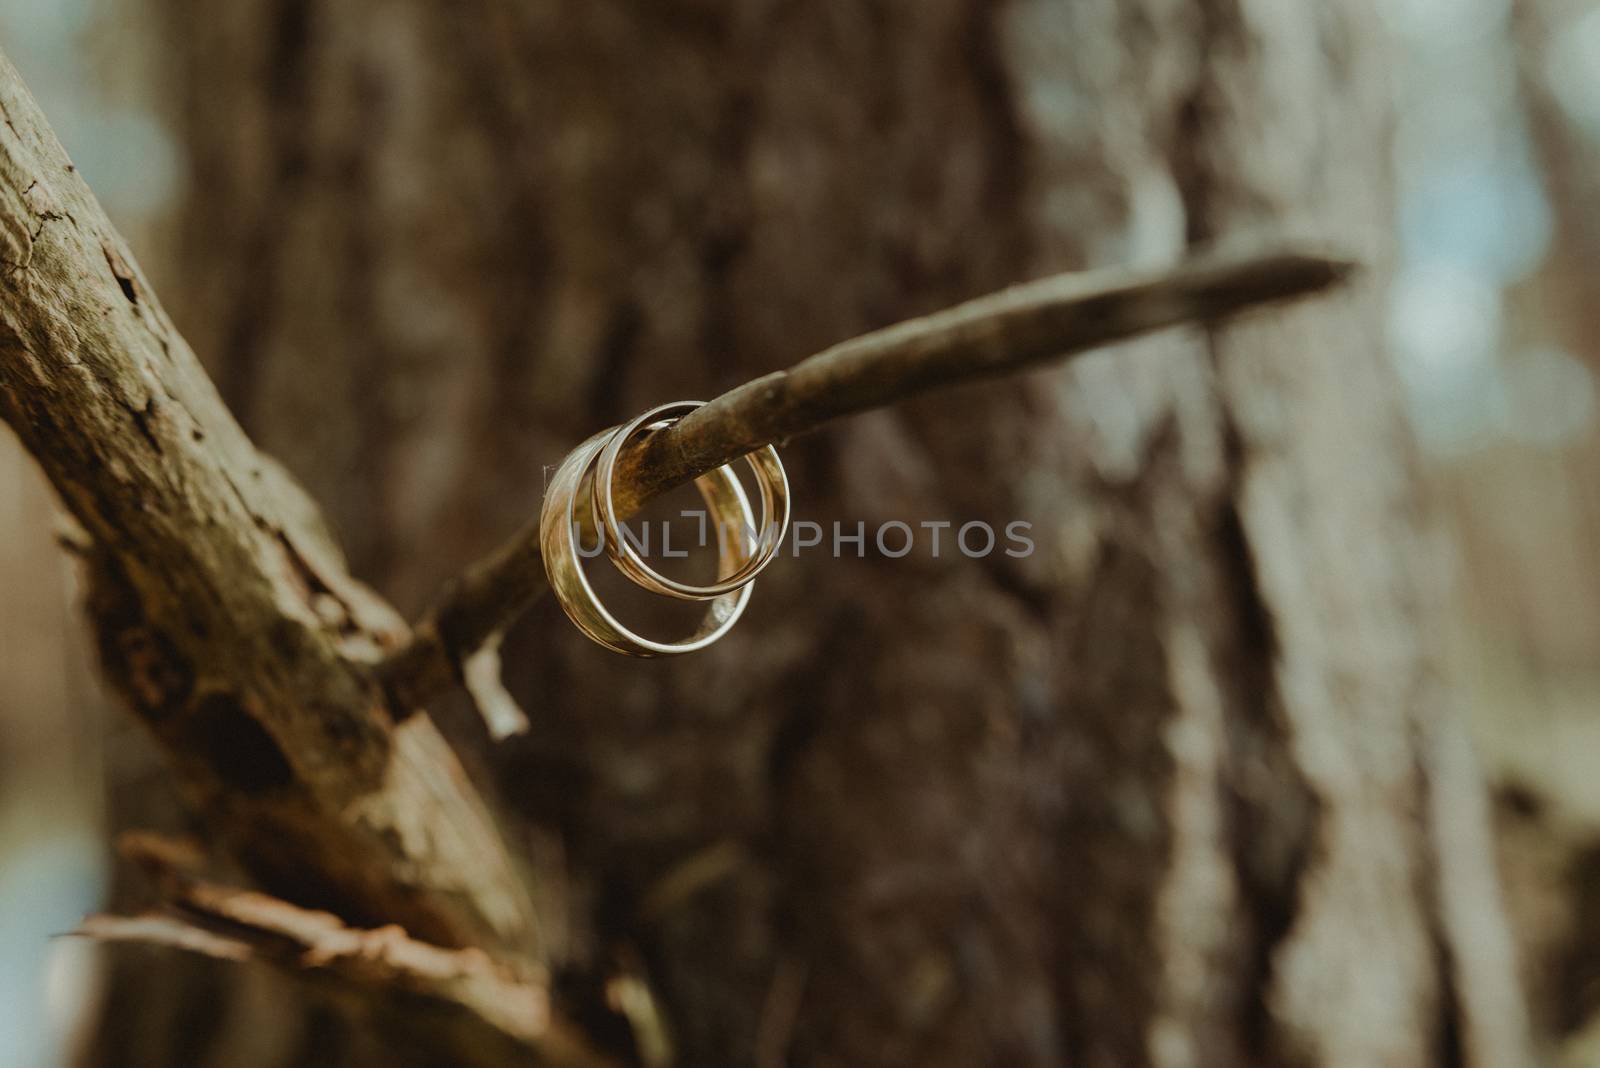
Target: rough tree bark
(1177,789)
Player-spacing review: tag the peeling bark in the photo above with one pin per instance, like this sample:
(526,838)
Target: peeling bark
(1171,791)
(224,613)
(459,1003)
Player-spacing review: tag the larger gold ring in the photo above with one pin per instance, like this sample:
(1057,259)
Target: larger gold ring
(770,479)
(558,541)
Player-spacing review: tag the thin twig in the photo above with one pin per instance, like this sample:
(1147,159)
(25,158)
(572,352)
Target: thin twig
(497,1011)
(995,335)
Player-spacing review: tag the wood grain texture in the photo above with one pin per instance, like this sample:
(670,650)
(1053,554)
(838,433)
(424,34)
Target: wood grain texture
(224,612)
(1165,792)
(461,1004)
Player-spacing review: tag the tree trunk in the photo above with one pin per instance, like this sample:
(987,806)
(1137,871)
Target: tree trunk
(1180,788)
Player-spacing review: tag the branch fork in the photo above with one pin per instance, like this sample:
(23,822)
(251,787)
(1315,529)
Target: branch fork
(231,627)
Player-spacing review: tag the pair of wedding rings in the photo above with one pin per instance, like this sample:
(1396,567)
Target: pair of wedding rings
(585,480)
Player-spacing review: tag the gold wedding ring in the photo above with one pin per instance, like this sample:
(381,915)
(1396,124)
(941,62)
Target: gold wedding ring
(771,480)
(558,541)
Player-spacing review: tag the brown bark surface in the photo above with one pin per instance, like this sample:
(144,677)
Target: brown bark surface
(223,611)
(1177,789)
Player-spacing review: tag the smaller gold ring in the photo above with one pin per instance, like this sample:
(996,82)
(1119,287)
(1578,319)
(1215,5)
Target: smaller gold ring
(771,479)
(564,568)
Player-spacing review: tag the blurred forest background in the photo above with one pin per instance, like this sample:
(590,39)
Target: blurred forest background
(1494,328)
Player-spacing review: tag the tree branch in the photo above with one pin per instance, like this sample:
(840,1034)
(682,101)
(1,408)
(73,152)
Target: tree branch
(995,335)
(224,612)
(461,1003)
